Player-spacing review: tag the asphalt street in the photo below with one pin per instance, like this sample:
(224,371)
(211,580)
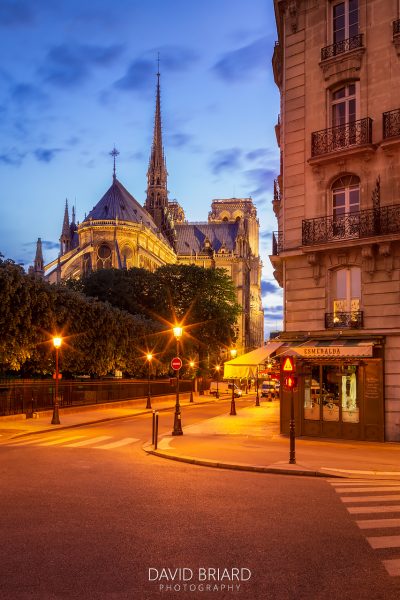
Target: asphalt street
(85,513)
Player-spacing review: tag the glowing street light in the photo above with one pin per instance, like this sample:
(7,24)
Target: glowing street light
(178,332)
(149,358)
(233,405)
(57,341)
(217,368)
(191,364)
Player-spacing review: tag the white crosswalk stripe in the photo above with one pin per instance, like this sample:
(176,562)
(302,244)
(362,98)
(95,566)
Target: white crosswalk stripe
(74,441)
(367,494)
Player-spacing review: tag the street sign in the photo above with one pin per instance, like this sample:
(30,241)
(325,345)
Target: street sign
(176,363)
(290,382)
(288,365)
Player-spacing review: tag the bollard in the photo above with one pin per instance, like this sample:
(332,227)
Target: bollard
(153,425)
(156,432)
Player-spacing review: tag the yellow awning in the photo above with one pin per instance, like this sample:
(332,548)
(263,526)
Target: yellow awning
(245,366)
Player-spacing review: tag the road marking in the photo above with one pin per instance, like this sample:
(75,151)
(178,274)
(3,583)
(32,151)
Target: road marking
(384,541)
(361,472)
(345,484)
(371,498)
(35,441)
(378,523)
(392,566)
(356,510)
(123,442)
(383,488)
(62,440)
(95,440)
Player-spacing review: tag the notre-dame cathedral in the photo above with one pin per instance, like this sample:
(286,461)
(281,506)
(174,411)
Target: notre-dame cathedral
(120,233)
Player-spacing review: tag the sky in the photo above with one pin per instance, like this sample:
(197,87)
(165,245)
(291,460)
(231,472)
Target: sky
(78,77)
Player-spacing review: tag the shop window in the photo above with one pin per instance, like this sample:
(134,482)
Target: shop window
(103,257)
(346,292)
(330,394)
(345,20)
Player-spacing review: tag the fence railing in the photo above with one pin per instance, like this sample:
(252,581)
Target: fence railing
(342,46)
(391,123)
(277,243)
(355,133)
(28,396)
(344,320)
(396,28)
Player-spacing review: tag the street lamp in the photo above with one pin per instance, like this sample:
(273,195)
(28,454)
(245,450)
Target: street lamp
(191,387)
(233,406)
(217,368)
(57,341)
(178,331)
(257,396)
(149,357)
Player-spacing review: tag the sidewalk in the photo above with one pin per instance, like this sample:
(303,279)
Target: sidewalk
(251,441)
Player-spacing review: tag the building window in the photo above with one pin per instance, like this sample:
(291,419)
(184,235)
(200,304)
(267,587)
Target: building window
(346,293)
(345,20)
(103,257)
(344,105)
(345,196)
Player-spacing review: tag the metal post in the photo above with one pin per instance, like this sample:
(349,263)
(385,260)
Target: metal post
(257,395)
(148,403)
(191,391)
(177,419)
(233,406)
(217,394)
(156,433)
(153,426)
(292,432)
(56,417)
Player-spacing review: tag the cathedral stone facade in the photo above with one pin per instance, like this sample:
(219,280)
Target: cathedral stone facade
(120,233)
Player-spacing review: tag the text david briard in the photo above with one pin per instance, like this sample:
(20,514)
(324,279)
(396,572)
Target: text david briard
(205,579)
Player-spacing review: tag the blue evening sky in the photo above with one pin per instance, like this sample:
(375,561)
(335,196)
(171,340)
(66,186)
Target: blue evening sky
(77,77)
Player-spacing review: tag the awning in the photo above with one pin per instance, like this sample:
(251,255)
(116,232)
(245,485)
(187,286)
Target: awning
(245,366)
(328,349)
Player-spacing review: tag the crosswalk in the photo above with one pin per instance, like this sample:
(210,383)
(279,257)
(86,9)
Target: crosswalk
(375,506)
(102,442)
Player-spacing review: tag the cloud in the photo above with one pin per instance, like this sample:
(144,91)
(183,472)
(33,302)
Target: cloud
(266,235)
(48,245)
(262,179)
(273,313)
(15,13)
(258,153)
(244,62)
(140,73)
(269,288)
(46,155)
(178,140)
(25,94)
(69,65)
(225,160)
(13,157)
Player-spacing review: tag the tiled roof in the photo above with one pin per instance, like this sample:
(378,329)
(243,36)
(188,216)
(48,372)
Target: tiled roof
(117,203)
(191,236)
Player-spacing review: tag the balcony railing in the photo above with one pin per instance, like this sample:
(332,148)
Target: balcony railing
(342,47)
(396,28)
(356,133)
(344,320)
(350,226)
(391,123)
(277,243)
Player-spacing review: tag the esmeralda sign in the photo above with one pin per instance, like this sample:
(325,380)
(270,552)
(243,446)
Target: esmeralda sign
(333,351)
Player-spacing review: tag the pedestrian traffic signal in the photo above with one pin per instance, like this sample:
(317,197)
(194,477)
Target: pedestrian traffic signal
(288,364)
(290,382)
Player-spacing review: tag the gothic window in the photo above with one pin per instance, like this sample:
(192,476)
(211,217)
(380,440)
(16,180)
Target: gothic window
(346,292)
(344,20)
(127,258)
(103,257)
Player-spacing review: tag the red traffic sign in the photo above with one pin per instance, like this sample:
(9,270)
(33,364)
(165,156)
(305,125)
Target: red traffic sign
(290,382)
(288,365)
(176,363)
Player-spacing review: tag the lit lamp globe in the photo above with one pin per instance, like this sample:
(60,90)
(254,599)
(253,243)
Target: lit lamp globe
(57,341)
(178,332)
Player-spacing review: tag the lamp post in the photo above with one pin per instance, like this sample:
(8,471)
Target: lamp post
(257,396)
(233,406)
(57,341)
(217,368)
(178,331)
(149,357)
(191,387)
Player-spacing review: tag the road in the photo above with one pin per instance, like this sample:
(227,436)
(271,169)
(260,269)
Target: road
(85,513)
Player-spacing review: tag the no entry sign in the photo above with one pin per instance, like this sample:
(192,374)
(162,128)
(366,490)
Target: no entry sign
(176,363)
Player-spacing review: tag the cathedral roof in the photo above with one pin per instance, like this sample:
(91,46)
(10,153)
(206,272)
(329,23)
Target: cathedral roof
(193,237)
(118,203)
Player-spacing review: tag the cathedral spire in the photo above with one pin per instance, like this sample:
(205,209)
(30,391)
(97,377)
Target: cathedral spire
(38,263)
(65,239)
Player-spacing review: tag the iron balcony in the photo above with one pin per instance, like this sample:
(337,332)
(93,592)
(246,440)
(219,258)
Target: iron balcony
(349,226)
(356,133)
(391,123)
(341,47)
(396,28)
(277,243)
(344,320)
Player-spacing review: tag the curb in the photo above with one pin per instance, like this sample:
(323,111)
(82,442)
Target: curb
(235,467)
(145,412)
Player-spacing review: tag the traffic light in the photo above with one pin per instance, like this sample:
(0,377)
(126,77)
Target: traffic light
(290,382)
